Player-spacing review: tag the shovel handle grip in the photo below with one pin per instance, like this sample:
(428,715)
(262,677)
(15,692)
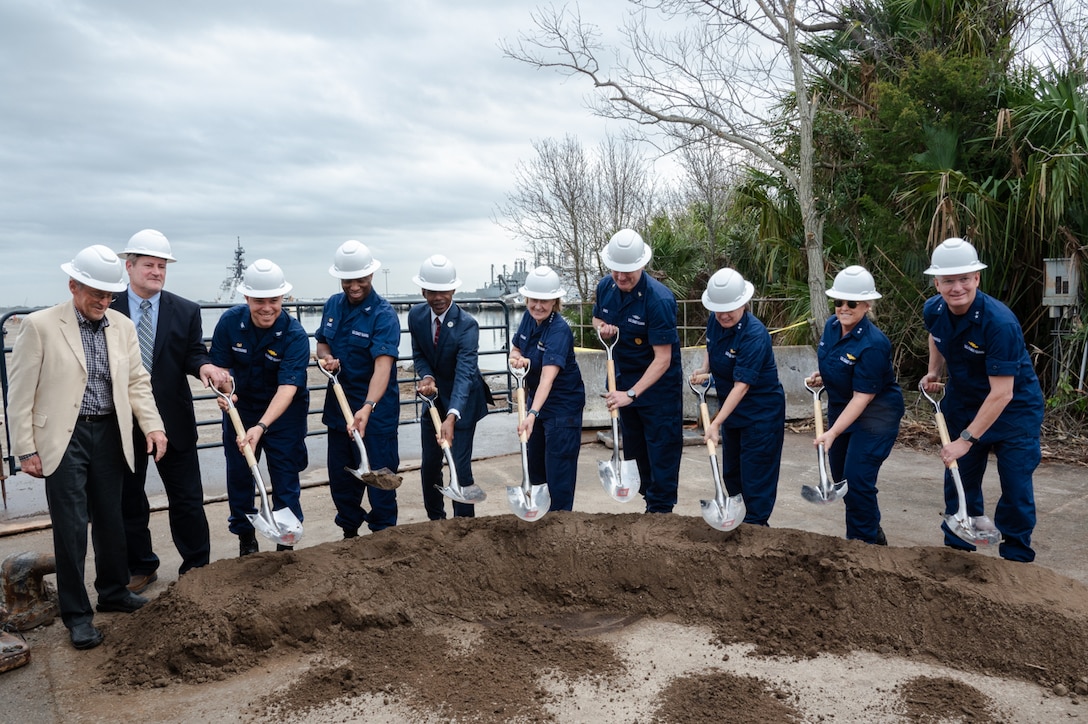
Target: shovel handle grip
(611,367)
(520,395)
(704,413)
(942,430)
(239,428)
(345,408)
(437,422)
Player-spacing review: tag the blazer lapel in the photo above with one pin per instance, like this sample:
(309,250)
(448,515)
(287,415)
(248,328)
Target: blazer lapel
(69,329)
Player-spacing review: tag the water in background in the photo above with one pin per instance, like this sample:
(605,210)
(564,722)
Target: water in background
(497,326)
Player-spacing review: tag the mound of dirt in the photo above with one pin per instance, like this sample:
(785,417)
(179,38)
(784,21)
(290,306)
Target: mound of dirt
(478,619)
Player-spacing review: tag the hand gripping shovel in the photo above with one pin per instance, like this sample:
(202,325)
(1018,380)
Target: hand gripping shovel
(620,478)
(723,512)
(280,526)
(828,492)
(470,494)
(528,502)
(384,479)
(978,531)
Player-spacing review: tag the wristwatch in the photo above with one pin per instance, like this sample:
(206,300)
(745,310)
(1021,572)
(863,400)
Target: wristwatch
(632,394)
(965,435)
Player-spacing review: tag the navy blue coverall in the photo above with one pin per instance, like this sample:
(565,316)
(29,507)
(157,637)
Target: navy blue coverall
(752,435)
(985,342)
(860,362)
(261,360)
(557,436)
(652,425)
(356,335)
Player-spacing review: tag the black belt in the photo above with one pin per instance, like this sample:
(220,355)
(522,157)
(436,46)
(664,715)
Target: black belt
(95,418)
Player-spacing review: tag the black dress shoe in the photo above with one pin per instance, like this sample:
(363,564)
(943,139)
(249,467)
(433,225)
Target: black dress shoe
(140,581)
(128,604)
(247,544)
(85,636)
(282,547)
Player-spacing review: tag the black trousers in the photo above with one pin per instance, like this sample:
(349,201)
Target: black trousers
(180,473)
(86,489)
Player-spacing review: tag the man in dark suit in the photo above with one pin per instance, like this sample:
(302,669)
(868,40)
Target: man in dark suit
(445,345)
(175,348)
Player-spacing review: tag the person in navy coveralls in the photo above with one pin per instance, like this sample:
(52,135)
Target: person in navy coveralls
(267,351)
(445,348)
(177,351)
(751,421)
(649,376)
(359,337)
(865,403)
(556,395)
(993,402)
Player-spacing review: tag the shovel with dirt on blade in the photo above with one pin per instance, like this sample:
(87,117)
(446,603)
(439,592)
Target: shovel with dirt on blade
(527,501)
(979,530)
(619,477)
(829,491)
(469,494)
(724,512)
(382,479)
(280,526)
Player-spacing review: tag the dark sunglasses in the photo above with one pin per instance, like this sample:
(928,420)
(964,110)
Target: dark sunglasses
(850,303)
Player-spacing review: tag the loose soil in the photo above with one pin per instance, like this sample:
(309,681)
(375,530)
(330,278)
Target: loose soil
(579,616)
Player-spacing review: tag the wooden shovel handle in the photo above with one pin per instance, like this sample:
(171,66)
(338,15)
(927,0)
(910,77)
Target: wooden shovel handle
(818,410)
(520,395)
(942,430)
(345,408)
(612,385)
(704,413)
(239,428)
(437,421)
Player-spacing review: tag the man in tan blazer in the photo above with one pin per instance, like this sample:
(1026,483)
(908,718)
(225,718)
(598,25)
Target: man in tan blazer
(76,382)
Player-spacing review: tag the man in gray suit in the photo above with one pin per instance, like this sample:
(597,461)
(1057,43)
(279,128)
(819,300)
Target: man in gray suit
(76,383)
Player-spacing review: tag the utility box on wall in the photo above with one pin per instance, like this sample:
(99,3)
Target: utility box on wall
(1062,285)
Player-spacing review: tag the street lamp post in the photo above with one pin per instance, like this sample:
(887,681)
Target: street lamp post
(386,272)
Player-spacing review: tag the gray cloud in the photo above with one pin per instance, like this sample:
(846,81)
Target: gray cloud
(293,126)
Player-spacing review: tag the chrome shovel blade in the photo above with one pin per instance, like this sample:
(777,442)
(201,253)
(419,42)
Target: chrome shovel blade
(723,517)
(469,494)
(280,526)
(530,505)
(978,531)
(618,485)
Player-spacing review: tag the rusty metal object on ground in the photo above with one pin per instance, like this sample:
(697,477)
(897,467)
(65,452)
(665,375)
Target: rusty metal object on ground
(30,599)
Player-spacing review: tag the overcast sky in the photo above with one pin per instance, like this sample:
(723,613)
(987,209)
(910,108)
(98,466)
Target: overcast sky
(294,126)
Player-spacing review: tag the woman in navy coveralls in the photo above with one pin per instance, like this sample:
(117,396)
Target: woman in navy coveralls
(751,421)
(556,395)
(865,403)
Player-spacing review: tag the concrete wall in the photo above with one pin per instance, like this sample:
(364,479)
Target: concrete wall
(794,364)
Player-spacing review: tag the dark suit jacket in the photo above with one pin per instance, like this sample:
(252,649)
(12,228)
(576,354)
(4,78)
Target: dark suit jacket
(454,365)
(179,351)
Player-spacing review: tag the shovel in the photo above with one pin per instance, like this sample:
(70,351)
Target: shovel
(828,492)
(978,531)
(470,494)
(723,512)
(620,478)
(280,526)
(528,502)
(384,479)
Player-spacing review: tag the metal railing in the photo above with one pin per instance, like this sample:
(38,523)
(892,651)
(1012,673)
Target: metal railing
(496,373)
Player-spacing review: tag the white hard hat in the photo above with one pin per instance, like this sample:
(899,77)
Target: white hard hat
(542,283)
(954,256)
(353,261)
(727,291)
(626,252)
(437,274)
(263,280)
(97,267)
(148,243)
(854,283)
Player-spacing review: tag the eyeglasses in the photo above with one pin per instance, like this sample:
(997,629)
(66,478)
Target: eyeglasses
(848,302)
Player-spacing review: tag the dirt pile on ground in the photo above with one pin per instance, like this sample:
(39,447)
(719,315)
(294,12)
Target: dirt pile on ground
(494,619)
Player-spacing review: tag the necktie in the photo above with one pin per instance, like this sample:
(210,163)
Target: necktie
(437,326)
(146,334)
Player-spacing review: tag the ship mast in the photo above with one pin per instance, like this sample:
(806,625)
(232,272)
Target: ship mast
(237,269)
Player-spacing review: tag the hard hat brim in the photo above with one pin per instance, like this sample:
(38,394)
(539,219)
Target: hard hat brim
(936,271)
(129,255)
(853,296)
(432,287)
(366,271)
(647,254)
(527,293)
(279,291)
(85,280)
(749,292)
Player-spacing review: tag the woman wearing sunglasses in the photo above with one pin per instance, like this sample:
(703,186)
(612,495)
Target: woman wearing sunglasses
(865,403)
